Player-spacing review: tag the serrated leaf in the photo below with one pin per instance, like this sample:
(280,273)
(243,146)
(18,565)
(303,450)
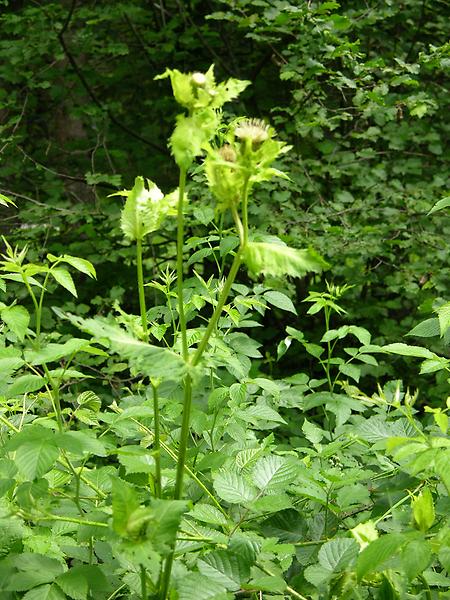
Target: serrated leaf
(377,552)
(64,278)
(198,587)
(17,318)
(208,514)
(351,371)
(427,328)
(35,458)
(25,384)
(80,264)
(45,592)
(287,525)
(74,584)
(274,473)
(406,350)
(416,556)
(233,488)
(150,360)
(444,318)
(225,569)
(279,260)
(338,554)
(124,503)
(280,300)
(54,352)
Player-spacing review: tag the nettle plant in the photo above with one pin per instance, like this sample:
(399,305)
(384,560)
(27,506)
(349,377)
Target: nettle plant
(203,478)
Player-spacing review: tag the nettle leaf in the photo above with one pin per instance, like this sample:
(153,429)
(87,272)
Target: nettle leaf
(45,592)
(416,556)
(338,554)
(274,473)
(406,350)
(145,209)
(208,514)
(199,587)
(280,300)
(17,318)
(224,568)
(427,328)
(234,488)
(444,318)
(54,352)
(35,450)
(124,503)
(64,278)
(378,552)
(279,260)
(165,521)
(149,360)
(25,384)
(80,264)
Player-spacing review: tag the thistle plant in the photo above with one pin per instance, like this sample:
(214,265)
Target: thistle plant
(236,156)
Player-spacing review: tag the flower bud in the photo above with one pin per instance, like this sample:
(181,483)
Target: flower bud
(198,79)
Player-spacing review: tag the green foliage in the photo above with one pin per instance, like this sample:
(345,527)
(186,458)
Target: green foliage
(246,433)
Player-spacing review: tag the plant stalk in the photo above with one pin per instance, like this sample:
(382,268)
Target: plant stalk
(140,278)
(157,440)
(180,243)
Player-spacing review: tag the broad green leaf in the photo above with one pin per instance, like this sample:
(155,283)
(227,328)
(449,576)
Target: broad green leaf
(195,586)
(64,278)
(279,260)
(416,556)
(80,264)
(352,371)
(233,488)
(25,384)
(441,463)
(10,360)
(208,514)
(280,300)
(423,510)
(377,552)
(427,328)
(165,521)
(45,592)
(150,360)
(36,457)
(224,568)
(440,204)
(136,459)
(287,525)
(444,318)
(273,584)
(406,350)
(74,584)
(338,554)
(54,352)
(80,443)
(274,473)
(124,503)
(17,318)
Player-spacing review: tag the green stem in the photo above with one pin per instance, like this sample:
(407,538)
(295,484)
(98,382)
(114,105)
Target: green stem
(140,278)
(219,307)
(143,583)
(245,191)
(36,306)
(157,440)
(184,437)
(180,242)
(55,398)
(39,308)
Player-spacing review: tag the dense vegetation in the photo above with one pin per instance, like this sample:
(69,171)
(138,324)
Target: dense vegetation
(224,313)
